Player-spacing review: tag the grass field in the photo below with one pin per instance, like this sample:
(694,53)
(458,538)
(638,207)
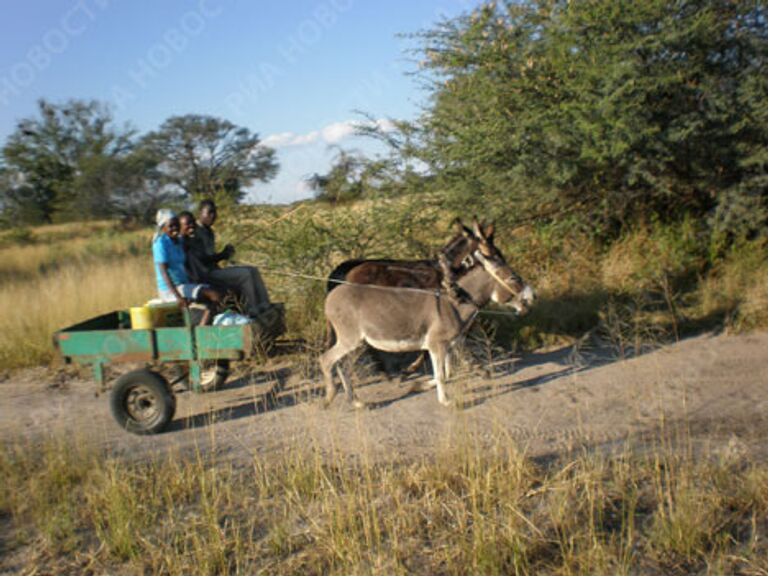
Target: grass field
(63,276)
(473,508)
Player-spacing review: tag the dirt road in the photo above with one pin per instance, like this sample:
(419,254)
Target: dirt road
(714,386)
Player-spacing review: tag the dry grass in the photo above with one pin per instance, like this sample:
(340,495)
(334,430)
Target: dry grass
(68,247)
(739,286)
(474,508)
(64,274)
(657,282)
(479,507)
(33,309)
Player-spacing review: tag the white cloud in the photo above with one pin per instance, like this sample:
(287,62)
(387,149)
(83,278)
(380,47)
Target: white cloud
(331,134)
(336,132)
(278,140)
(305,138)
(285,139)
(385,125)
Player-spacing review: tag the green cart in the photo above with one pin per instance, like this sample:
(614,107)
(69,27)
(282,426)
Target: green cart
(142,401)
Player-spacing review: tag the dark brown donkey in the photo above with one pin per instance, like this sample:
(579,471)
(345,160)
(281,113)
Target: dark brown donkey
(409,273)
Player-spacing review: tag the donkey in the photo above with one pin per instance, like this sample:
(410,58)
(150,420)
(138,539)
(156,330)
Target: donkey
(452,262)
(397,319)
(407,273)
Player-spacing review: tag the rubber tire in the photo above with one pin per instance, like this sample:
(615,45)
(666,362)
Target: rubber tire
(155,388)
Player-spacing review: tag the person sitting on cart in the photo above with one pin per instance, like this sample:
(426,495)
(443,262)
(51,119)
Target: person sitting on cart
(187,228)
(173,283)
(245,280)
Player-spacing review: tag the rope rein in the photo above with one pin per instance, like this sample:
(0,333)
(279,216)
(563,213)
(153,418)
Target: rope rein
(491,269)
(437,292)
(433,292)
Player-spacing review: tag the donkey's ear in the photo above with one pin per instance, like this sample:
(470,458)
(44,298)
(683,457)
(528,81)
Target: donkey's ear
(461,229)
(476,229)
(489,230)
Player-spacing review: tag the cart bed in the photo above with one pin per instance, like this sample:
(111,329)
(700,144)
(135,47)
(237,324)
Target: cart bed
(108,339)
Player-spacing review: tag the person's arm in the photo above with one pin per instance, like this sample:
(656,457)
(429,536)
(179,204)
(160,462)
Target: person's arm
(225,254)
(167,277)
(198,251)
(207,239)
(206,259)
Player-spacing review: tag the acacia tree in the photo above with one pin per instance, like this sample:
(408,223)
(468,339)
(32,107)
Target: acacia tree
(51,163)
(607,110)
(206,156)
(346,179)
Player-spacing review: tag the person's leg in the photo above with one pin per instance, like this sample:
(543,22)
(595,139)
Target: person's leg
(210,298)
(258,284)
(242,279)
(210,295)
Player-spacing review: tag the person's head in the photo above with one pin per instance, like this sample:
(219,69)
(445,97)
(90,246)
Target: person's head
(207,215)
(167,222)
(172,228)
(187,224)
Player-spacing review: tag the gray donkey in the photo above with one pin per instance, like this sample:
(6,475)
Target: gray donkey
(399,319)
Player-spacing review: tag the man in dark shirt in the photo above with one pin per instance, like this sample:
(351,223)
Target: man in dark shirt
(203,261)
(188,228)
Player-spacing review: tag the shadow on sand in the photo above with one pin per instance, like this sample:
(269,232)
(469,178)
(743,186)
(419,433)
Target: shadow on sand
(268,401)
(570,360)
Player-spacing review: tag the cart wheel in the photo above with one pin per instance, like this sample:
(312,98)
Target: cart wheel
(214,375)
(142,402)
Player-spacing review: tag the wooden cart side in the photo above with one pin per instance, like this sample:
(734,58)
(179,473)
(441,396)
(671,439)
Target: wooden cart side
(91,346)
(224,342)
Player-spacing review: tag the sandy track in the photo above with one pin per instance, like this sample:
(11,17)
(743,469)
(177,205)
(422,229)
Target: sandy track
(714,386)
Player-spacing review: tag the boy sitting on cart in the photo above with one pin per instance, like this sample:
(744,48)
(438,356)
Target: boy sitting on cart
(173,283)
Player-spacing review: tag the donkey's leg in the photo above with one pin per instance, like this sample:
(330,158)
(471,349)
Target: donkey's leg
(416,364)
(446,371)
(328,360)
(437,353)
(350,392)
(421,386)
(326,365)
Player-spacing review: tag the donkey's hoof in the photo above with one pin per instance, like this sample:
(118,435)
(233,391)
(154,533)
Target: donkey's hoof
(446,402)
(359,404)
(327,401)
(422,386)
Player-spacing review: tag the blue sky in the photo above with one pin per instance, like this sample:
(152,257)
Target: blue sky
(293,71)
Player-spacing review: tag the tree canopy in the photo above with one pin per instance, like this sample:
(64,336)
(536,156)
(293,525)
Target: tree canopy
(71,162)
(55,164)
(599,113)
(206,156)
(609,111)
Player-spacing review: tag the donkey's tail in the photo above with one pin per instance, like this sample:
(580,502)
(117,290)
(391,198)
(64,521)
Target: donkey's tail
(339,273)
(330,335)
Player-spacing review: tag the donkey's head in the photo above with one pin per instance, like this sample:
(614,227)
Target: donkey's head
(459,249)
(509,288)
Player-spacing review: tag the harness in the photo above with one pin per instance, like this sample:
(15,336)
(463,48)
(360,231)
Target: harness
(491,269)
